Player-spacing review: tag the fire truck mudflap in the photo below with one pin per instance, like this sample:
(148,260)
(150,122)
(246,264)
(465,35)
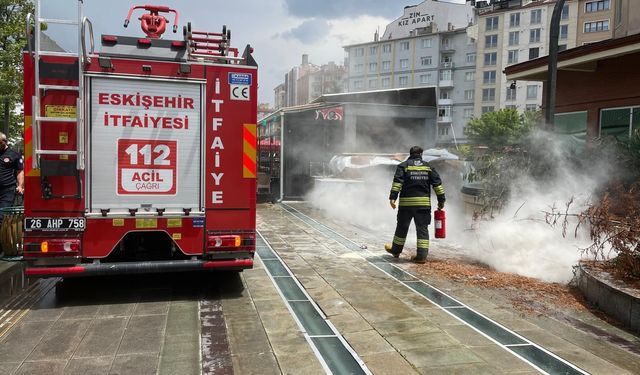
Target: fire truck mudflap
(143,161)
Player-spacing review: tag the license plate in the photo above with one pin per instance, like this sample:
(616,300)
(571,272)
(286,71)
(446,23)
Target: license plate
(54,223)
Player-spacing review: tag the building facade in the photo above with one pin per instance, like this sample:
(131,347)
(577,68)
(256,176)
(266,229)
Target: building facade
(307,82)
(595,21)
(426,47)
(514,32)
(626,18)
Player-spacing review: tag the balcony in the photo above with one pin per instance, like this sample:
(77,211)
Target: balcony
(447,65)
(444,119)
(447,48)
(448,101)
(448,82)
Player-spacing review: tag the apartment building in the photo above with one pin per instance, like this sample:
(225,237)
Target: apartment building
(307,81)
(511,32)
(626,18)
(427,46)
(595,21)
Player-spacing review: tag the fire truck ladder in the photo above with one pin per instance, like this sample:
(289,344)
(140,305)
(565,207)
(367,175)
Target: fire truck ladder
(51,167)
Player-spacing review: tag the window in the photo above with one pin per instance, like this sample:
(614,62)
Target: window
(467,113)
(536,16)
(426,43)
(386,48)
(489,77)
(386,65)
(488,95)
(532,92)
(445,95)
(443,131)
(564,31)
(359,52)
(468,94)
(404,46)
(511,94)
(513,56)
(373,50)
(619,122)
(514,20)
(445,75)
(357,84)
(446,43)
(425,78)
(373,83)
(490,58)
(531,107)
(510,106)
(534,36)
(471,58)
(534,53)
(403,81)
(562,47)
(491,41)
(373,67)
(594,27)
(618,12)
(488,108)
(565,12)
(426,60)
(492,23)
(596,6)
(404,63)
(386,82)
(514,38)
(446,60)
(358,68)
(444,111)
(469,76)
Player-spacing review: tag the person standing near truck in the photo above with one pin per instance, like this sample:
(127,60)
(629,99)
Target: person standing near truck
(412,182)
(11,174)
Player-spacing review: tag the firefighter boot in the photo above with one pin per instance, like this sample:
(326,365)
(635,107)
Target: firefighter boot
(421,256)
(389,249)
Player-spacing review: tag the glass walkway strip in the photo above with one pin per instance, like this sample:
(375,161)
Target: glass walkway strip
(541,359)
(332,350)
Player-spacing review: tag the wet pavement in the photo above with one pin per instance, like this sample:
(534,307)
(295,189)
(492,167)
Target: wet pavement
(252,323)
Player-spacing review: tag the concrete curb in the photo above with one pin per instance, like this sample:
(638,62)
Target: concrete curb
(615,301)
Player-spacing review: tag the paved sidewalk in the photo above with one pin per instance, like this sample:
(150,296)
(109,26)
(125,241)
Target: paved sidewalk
(396,331)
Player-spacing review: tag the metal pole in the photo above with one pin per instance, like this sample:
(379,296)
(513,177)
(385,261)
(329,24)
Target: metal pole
(552,72)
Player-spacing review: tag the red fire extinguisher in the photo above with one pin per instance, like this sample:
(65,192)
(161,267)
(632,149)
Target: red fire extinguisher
(439,220)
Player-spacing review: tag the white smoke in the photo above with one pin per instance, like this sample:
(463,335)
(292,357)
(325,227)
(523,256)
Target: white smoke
(516,240)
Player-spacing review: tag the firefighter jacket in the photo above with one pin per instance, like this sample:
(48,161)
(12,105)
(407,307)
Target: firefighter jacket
(413,180)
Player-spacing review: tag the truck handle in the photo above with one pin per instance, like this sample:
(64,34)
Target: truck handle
(86,59)
(29,33)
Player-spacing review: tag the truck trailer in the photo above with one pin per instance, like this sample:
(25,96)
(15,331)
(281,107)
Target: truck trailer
(141,157)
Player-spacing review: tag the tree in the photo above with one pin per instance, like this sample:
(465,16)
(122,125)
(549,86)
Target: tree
(501,128)
(13,14)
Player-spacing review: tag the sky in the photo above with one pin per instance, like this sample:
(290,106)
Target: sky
(280,31)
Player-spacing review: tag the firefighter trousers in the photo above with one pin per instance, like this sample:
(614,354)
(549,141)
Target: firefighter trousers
(422,218)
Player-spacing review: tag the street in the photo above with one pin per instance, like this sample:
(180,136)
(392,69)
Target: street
(322,298)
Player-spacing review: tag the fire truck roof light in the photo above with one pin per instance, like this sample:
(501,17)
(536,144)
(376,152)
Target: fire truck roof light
(144,41)
(110,38)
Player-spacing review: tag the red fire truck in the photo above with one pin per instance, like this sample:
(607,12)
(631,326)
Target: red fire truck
(139,158)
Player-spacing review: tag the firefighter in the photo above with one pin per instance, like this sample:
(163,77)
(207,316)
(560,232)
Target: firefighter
(413,180)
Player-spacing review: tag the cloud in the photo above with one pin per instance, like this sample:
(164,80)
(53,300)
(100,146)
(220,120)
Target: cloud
(309,31)
(333,9)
